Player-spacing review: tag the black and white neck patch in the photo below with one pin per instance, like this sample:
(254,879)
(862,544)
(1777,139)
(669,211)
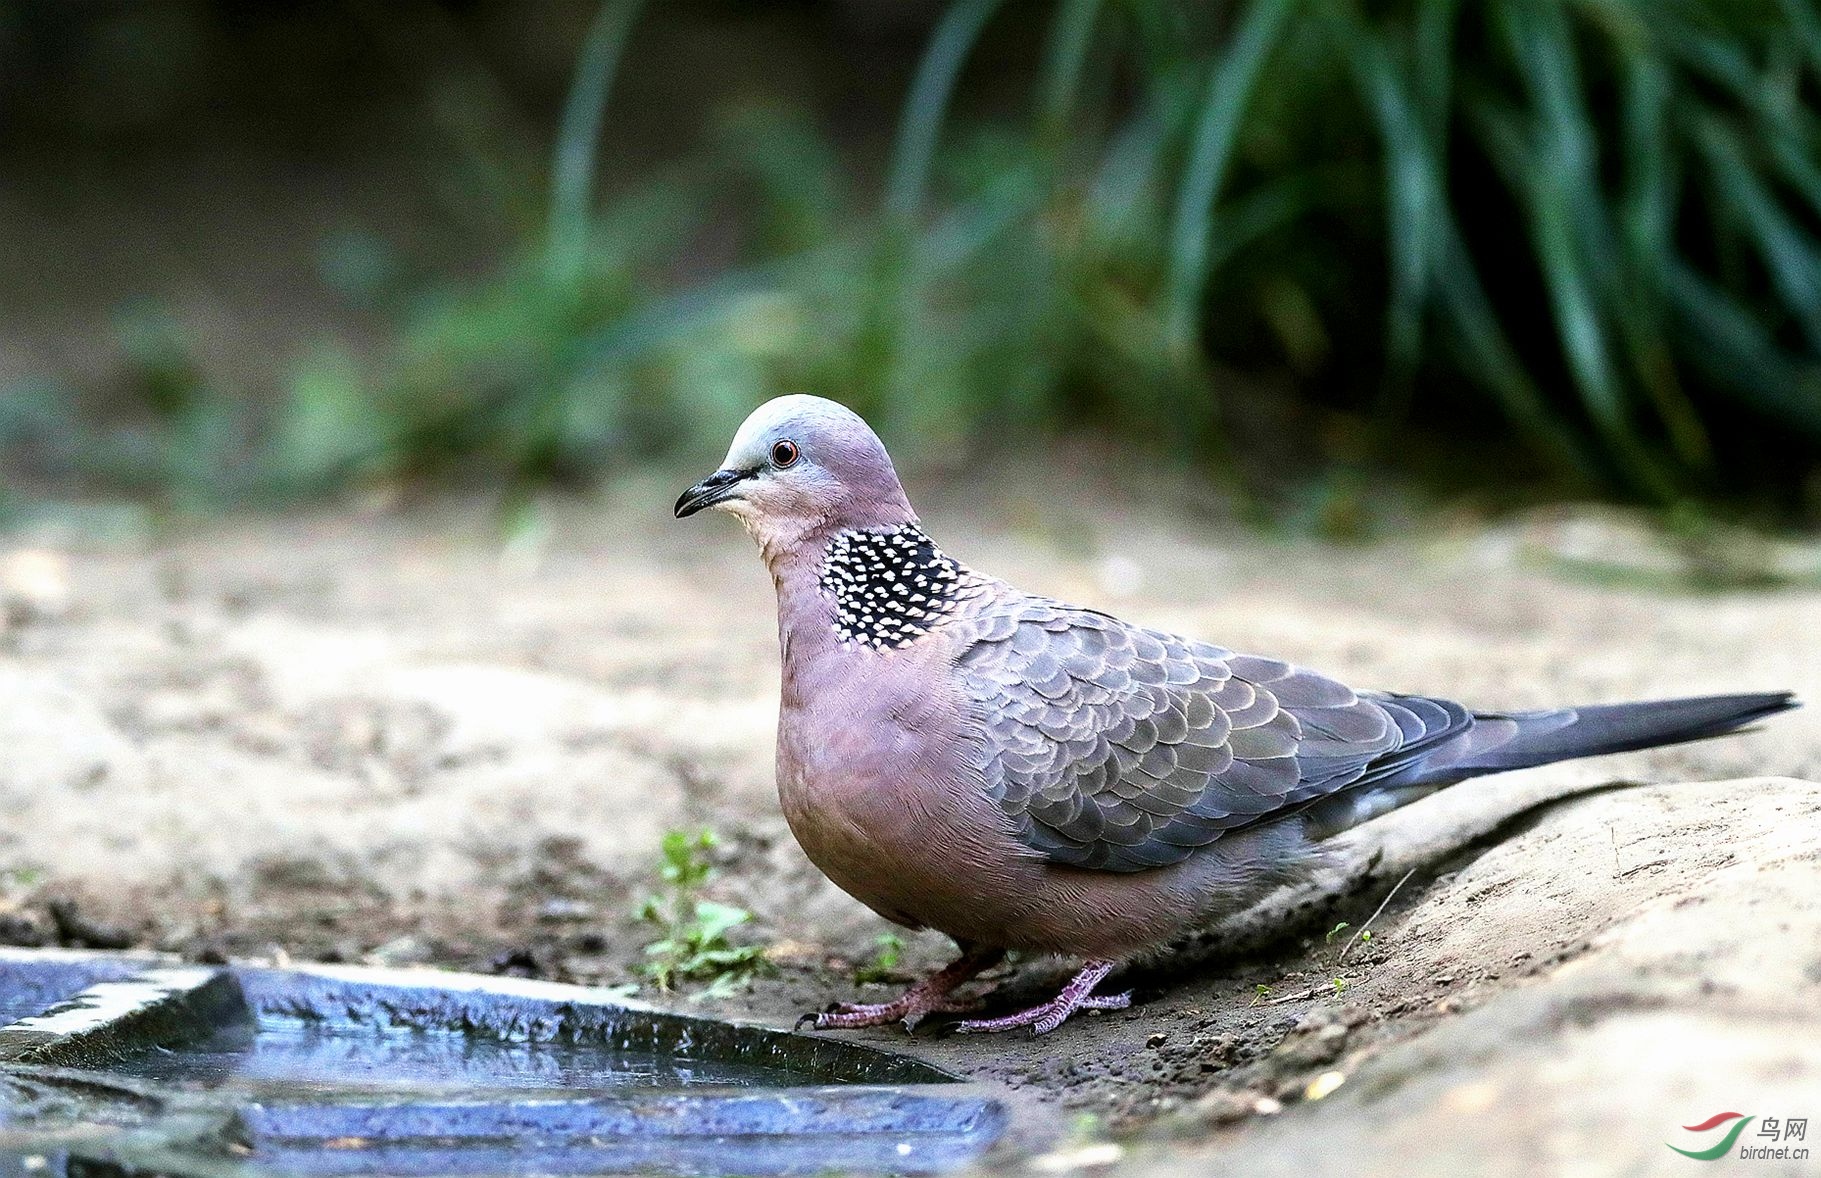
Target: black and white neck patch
(890,586)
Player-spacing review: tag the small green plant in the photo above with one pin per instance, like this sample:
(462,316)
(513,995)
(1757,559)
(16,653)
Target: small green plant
(1085,1128)
(16,881)
(888,950)
(1340,985)
(1260,993)
(1361,937)
(692,945)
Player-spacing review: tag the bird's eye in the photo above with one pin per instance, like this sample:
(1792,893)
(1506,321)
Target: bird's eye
(783,454)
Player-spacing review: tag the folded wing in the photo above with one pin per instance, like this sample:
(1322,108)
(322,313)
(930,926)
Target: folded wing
(1122,749)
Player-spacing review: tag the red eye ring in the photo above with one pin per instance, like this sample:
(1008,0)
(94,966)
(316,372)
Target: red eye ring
(783,453)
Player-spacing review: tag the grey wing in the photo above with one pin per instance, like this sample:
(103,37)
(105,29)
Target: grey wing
(1119,748)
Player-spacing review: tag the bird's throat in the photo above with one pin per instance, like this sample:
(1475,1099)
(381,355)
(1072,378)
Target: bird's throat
(889,586)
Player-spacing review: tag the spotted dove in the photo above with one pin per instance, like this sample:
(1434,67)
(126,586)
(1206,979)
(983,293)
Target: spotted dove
(1021,773)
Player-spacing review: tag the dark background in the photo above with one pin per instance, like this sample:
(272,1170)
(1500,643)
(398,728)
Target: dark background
(258,253)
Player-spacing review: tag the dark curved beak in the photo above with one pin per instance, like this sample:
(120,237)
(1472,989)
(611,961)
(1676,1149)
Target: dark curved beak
(717,487)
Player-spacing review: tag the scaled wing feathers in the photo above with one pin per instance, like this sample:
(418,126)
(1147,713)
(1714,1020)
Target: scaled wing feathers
(1119,748)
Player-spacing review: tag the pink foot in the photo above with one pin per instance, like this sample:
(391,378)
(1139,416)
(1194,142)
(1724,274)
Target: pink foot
(930,996)
(908,1008)
(1077,995)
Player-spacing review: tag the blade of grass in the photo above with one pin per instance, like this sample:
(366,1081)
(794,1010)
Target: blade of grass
(1065,59)
(1479,342)
(1791,132)
(894,293)
(921,124)
(1806,23)
(1192,225)
(1789,253)
(1645,214)
(1410,243)
(1729,343)
(1556,169)
(1432,67)
(1134,165)
(1282,202)
(572,173)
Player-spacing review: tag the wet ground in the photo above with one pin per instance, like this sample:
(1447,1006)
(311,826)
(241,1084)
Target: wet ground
(393,737)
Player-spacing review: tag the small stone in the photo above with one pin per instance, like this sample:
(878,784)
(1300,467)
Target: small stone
(1324,1085)
(1156,1040)
(1317,1039)
(561,908)
(521,963)
(213,953)
(1085,1157)
(27,930)
(34,586)
(78,931)
(1224,1107)
(405,950)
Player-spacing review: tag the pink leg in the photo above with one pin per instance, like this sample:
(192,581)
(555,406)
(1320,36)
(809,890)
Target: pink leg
(1077,995)
(929,996)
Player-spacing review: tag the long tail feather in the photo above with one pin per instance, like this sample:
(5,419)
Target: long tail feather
(1541,738)
(1498,742)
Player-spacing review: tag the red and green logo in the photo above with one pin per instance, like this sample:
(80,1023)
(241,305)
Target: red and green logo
(1725,1144)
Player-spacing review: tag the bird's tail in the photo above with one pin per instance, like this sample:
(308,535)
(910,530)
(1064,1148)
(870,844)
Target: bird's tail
(1501,741)
(1498,742)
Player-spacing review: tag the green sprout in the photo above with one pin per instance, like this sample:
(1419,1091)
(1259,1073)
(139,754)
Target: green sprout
(692,945)
(888,950)
(20,879)
(1333,932)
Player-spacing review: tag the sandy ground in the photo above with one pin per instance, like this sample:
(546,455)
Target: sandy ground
(387,736)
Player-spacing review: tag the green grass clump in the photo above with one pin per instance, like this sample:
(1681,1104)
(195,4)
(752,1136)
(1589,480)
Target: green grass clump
(692,944)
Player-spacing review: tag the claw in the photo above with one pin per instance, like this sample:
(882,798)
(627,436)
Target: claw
(1042,1019)
(930,996)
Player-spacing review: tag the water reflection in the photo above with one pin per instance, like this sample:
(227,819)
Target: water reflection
(337,1058)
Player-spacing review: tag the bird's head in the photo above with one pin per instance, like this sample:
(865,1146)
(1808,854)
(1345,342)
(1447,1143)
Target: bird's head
(802,466)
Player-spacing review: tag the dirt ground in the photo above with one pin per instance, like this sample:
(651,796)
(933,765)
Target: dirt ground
(388,736)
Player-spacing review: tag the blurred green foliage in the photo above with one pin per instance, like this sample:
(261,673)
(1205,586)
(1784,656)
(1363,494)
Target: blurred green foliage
(1593,223)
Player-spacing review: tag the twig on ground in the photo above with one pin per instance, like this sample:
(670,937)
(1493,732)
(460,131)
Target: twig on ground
(1367,927)
(1304,996)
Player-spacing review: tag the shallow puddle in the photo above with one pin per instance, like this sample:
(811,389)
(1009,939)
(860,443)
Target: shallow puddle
(302,1057)
(114,1065)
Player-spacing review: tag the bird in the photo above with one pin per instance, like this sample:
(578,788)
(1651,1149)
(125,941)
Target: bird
(1024,774)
